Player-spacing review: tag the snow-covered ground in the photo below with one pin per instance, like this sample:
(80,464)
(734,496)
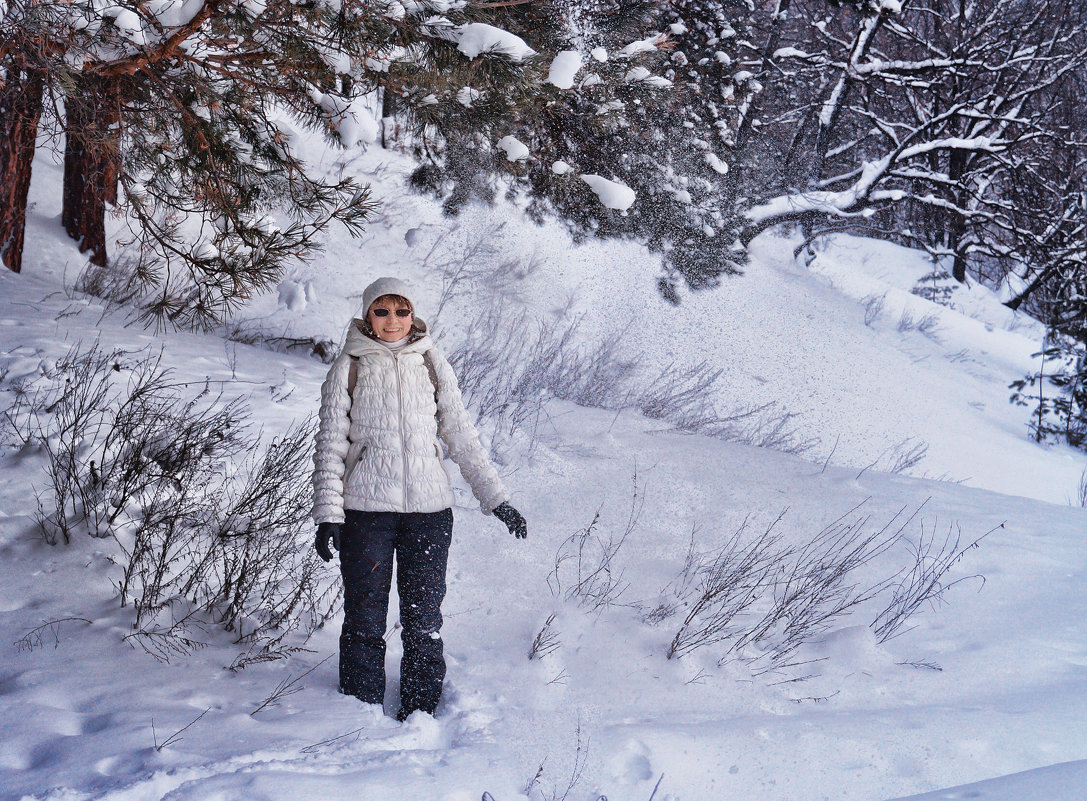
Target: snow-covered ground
(989,684)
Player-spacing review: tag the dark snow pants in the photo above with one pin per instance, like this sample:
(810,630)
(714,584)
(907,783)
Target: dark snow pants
(420,542)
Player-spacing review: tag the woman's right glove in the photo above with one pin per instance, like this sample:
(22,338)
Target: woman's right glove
(513,519)
(327,532)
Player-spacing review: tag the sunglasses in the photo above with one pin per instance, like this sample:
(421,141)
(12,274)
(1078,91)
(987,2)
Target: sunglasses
(385,312)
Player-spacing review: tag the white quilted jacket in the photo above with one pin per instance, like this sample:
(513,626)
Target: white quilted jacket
(379,450)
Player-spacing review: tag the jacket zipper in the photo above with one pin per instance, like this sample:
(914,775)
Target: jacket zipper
(403,438)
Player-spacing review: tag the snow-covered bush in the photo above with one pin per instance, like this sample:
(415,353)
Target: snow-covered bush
(207,521)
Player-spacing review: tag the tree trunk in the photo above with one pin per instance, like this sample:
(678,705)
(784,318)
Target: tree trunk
(388,116)
(92,115)
(20,110)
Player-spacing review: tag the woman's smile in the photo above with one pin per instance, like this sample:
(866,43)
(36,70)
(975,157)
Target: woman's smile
(390,319)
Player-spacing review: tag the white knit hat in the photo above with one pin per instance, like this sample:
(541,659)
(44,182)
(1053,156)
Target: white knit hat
(390,286)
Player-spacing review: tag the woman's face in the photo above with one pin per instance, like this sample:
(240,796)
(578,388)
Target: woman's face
(387,324)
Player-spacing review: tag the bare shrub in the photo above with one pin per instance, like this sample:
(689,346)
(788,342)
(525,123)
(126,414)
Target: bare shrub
(820,583)
(677,592)
(961,356)
(900,457)
(924,580)
(509,366)
(286,687)
(121,286)
(685,397)
(907,454)
(249,333)
(49,630)
(585,571)
(207,520)
(468,264)
(546,640)
(873,308)
(176,737)
(763,598)
(118,284)
(177,637)
(731,581)
(767,426)
(928,325)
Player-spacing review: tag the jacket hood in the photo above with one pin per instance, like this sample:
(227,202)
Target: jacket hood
(358,343)
(380,287)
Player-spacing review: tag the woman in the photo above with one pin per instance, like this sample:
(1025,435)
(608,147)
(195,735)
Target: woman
(380,489)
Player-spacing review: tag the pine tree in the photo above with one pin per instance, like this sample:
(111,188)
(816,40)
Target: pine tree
(936,285)
(598,103)
(22,87)
(192,119)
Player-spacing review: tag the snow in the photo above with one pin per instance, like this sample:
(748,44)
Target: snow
(176,13)
(128,23)
(351,119)
(466,96)
(560,167)
(641,74)
(599,53)
(292,295)
(613,194)
(983,698)
(205,250)
(254,8)
(477,37)
(1050,783)
(515,149)
(790,52)
(563,68)
(718,166)
(641,46)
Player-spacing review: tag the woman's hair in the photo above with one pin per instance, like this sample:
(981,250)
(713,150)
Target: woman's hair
(398,298)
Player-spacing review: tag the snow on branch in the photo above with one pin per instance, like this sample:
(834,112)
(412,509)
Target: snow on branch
(477,38)
(612,194)
(864,189)
(564,67)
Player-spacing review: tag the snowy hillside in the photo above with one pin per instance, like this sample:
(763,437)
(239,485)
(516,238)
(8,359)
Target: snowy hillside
(864,378)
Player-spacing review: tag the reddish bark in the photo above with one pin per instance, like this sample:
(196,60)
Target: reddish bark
(92,115)
(20,110)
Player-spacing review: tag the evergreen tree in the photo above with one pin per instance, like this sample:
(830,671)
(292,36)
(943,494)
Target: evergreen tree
(936,285)
(191,116)
(599,104)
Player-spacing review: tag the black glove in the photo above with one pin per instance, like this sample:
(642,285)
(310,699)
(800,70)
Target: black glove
(326,532)
(513,519)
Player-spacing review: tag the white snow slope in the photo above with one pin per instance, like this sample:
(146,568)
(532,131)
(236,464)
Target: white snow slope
(988,684)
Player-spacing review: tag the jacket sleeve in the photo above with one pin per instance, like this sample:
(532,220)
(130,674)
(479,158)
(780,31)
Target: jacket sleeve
(460,436)
(330,453)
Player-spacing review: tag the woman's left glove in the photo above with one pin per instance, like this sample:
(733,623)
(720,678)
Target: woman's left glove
(326,533)
(513,519)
